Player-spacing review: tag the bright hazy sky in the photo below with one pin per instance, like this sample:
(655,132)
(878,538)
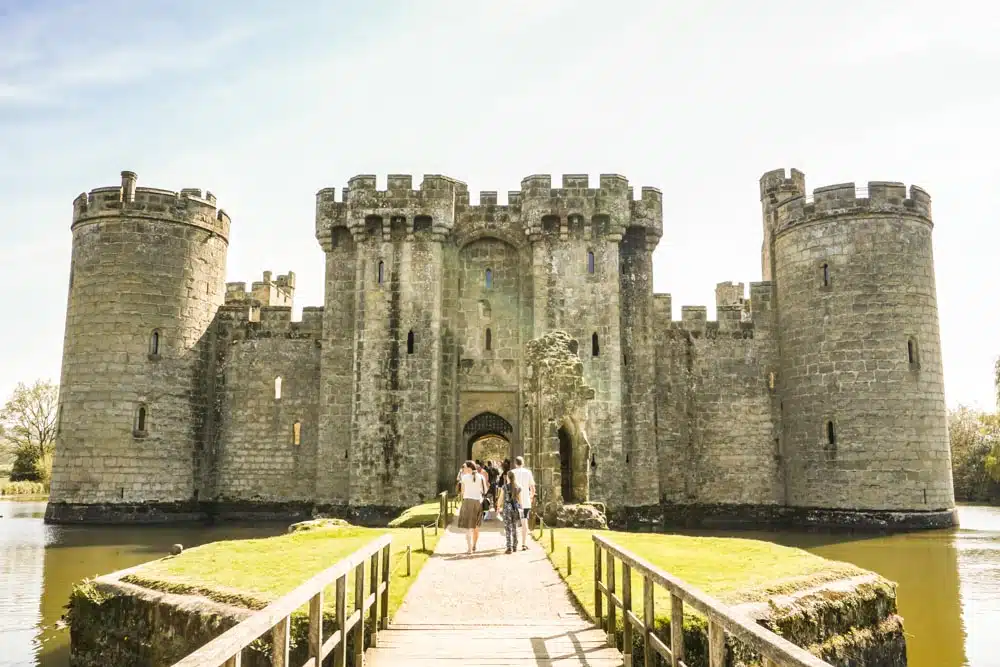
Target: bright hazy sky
(265,104)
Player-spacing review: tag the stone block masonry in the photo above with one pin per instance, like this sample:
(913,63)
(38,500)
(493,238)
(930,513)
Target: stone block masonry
(817,398)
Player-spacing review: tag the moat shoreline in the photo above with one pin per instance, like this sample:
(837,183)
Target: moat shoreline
(664,516)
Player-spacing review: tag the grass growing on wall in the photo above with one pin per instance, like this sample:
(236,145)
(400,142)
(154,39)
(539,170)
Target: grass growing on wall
(252,573)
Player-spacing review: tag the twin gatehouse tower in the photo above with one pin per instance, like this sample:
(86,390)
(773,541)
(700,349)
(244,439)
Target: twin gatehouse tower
(817,399)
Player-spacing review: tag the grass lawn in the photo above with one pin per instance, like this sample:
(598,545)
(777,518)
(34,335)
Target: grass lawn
(418,515)
(252,573)
(732,570)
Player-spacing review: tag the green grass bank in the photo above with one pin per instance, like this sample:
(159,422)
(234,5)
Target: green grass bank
(840,612)
(161,611)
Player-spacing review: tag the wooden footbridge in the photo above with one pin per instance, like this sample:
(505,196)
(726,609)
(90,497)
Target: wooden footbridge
(491,608)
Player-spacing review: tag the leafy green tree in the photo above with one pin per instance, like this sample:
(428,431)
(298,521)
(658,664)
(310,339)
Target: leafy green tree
(28,426)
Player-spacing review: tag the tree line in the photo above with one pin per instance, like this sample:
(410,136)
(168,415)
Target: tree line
(28,424)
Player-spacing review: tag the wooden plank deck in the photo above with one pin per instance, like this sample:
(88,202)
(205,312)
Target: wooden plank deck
(491,609)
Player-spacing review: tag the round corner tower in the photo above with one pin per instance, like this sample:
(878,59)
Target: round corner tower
(862,393)
(146,279)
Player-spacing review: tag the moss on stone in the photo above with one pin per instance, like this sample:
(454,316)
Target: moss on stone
(829,607)
(159,612)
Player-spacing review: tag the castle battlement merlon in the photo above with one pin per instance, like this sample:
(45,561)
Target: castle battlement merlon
(190,206)
(430,207)
(266,292)
(777,185)
(249,321)
(847,199)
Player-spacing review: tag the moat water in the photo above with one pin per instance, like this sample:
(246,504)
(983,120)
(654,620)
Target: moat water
(948,595)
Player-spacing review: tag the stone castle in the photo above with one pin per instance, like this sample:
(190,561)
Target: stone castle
(817,400)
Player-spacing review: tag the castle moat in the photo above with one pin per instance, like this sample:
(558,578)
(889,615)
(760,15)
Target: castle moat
(949,580)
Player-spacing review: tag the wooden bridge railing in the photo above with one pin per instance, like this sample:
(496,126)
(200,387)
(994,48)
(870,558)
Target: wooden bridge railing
(226,650)
(776,651)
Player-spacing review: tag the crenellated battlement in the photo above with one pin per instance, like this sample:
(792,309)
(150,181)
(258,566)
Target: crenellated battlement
(190,206)
(443,205)
(847,199)
(265,292)
(248,320)
(777,185)
(365,210)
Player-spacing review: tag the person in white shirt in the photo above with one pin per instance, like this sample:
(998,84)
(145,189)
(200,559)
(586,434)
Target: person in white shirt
(470,515)
(526,482)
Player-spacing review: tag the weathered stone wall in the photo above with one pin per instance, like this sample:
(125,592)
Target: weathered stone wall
(714,415)
(144,261)
(259,458)
(865,425)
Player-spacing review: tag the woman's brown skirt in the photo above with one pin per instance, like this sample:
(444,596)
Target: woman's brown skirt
(470,515)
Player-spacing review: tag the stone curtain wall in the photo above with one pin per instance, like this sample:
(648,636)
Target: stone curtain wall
(143,260)
(714,418)
(258,459)
(845,357)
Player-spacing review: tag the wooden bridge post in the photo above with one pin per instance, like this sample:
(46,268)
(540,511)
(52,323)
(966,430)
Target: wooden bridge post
(340,652)
(316,627)
(648,621)
(626,610)
(569,560)
(612,621)
(235,661)
(676,630)
(383,620)
(598,599)
(717,645)
(373,591)
(279,643)
(359,608)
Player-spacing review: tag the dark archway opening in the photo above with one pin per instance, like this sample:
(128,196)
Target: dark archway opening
(566,464)
(489,448)
(483,426)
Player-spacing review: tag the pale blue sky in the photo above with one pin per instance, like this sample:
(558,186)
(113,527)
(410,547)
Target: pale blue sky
(264,103)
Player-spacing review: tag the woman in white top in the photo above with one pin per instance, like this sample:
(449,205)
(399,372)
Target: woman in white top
(470,516)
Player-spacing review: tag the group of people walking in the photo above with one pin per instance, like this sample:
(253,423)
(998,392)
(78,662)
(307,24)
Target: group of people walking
(510,490)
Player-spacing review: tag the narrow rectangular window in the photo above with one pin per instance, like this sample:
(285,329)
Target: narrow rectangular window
(831,435)
(489,340)
(826,275)
(381,272)
(590,261)
(595,346)
(277,388)
(489,278)
(297,433)
(410,342)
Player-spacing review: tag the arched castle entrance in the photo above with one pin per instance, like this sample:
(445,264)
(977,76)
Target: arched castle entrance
(486,431)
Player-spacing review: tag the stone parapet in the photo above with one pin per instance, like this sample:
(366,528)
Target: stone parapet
(190,206)
(882,197)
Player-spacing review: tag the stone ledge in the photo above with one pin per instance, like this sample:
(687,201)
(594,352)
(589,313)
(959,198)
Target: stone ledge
(748,517)
(223,510)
